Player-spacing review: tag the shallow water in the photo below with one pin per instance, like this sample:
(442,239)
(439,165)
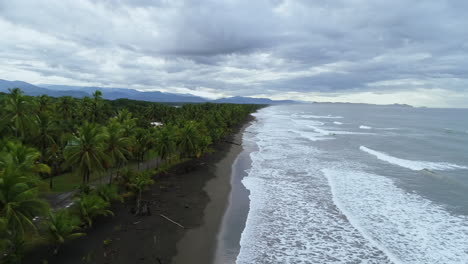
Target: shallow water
(333,183)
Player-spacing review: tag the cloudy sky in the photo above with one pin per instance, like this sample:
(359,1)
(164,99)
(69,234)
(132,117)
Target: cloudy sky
(374,51)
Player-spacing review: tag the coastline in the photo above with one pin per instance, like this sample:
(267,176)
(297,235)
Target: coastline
(194,194)
(199,245)
(236,213)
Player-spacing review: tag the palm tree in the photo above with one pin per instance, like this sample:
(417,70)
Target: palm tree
(66,111)
(143,143)
(189,139)
(43,104)
(86,151)
(153,112)
(60,227)
(117,146)
(66,106)
(128,122)
(18,112)
(139,182)
(21,159)
(19,201)
(54,156)
(97,103)
(166,138)
(45,133)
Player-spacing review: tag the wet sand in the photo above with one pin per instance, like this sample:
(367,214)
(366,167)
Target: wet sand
(235,216)
(194,194)
(199,244)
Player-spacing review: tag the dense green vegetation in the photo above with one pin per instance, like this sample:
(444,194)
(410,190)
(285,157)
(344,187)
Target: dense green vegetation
(67,140)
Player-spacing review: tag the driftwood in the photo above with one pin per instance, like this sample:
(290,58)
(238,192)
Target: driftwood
(172,221)
(234,143)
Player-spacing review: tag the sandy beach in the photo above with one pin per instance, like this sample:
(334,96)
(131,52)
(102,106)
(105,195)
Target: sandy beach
(200,243)
(194,194)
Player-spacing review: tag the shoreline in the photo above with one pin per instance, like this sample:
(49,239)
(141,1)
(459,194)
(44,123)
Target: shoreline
(199,245)
(190,194)
(236,213)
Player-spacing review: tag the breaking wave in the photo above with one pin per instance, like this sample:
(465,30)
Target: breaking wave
(412,164)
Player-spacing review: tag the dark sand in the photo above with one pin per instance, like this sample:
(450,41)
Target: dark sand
(194,194)
(235,217)
(199,244)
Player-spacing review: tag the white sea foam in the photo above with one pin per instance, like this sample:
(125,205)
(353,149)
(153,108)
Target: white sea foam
(312,136)
(337,123)
(319,127)
(292,218)
(412,164)
(407,227)
(378,128)
(309,205)
(318,116)
(337,132)
(308,123)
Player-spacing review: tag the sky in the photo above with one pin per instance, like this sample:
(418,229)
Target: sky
(366,51)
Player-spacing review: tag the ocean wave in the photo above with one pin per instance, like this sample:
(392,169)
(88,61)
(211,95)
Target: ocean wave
(312,136)
(378,128)
(406,226)
(388,128)
(318,127)
(337,123)
(308,123)
(287,222)
(412,164)
(319,116)
(337,132)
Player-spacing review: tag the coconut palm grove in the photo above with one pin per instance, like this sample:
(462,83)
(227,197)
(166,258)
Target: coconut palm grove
(95,152)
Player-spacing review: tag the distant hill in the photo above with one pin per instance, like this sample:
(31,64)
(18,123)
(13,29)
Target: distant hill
(155,96)
(33,90)
(117,93)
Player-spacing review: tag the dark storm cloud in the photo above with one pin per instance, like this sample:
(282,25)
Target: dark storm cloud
(215,48)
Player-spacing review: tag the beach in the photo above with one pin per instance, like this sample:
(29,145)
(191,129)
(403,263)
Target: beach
(193,194)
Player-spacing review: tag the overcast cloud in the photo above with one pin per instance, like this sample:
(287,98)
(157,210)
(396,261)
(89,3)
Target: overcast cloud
(374,51)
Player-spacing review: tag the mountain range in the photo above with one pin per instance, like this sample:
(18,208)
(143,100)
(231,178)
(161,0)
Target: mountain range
(116,93)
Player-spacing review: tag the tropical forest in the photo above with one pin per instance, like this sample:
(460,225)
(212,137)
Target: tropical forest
(64,161)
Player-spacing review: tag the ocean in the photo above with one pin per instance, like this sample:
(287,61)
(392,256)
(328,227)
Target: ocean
(350,183)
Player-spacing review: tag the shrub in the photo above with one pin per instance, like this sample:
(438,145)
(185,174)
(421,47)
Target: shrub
(109,193)
(91,205)
(62,226)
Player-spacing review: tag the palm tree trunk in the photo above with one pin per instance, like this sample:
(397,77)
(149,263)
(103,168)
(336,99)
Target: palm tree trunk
(138,202)
(86,177)
(119,166)
(51,183)
(110,177)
